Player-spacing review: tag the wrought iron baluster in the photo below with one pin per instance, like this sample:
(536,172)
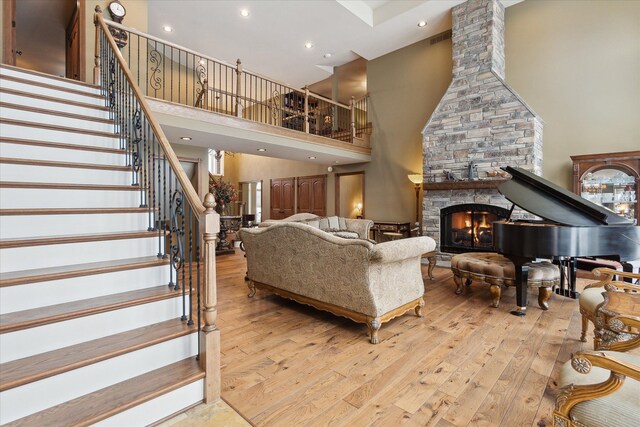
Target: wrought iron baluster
(159,206)
(172,228)
(190,259)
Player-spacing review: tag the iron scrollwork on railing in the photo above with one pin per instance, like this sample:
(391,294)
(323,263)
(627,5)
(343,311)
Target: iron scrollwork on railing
(176,248)
(136,145)
(275,105)
(201,92)
(155,61)
(112,83)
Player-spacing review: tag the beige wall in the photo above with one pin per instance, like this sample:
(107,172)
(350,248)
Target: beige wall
(350,194)
(405,87)
(136,17)
(577,64)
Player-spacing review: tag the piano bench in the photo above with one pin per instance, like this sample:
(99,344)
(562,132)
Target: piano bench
(497,270)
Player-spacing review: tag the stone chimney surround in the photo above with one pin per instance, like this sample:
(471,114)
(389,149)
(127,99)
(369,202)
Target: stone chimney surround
(479,118)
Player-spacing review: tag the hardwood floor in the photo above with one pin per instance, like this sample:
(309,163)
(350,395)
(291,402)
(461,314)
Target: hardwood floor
(463,363)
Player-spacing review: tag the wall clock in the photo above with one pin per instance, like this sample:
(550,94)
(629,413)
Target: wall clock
(117,11)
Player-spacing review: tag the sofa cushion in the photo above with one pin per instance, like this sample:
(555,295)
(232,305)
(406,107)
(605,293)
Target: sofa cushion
(333,223)
(345,234)
(617,409)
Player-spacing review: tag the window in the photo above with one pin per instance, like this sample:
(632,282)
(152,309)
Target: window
(216,162)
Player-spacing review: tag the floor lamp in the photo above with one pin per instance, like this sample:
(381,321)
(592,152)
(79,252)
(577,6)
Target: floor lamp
(417,179)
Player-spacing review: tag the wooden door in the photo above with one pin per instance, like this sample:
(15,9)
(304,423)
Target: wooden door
(9,32)
(312,194)
(282,198)
(73,47)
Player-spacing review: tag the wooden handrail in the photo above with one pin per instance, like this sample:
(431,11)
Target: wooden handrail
(190,193)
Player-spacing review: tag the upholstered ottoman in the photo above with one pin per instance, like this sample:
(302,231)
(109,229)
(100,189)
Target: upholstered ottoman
(497,270)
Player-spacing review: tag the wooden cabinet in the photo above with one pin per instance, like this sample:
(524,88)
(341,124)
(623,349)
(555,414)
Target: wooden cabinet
(312,194)
(282,198)
(611,180)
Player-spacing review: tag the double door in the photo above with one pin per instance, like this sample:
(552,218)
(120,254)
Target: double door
(309,195)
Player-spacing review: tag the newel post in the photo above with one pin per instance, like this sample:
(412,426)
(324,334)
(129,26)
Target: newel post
(306,109)
(210,335)
(96,59)
(238,88)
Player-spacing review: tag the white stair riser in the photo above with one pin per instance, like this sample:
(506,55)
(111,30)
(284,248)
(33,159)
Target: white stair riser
(44,79)
(159,408)
(35,152)
(14,198)
(19,402)
(31,257)
(20,226)
(27,342)
(54,174)
(51,119)
(47,104)
(42,294)
(48,135)
(57,93)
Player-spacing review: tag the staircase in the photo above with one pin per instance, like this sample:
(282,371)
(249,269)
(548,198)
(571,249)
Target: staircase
(90,331)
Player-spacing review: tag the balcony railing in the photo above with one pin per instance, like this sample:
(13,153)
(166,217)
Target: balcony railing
(177,74)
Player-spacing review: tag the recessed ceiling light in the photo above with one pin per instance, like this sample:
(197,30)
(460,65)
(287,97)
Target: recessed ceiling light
(326,55)
(244,12)
(167,28)
(312,157)
(262,150)
(336,161)
(422,24)
(185,138)
(308,45)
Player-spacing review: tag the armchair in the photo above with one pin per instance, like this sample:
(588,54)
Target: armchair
(592,300)
(600,388)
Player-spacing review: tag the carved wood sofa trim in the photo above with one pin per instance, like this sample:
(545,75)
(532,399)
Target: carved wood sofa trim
(572,395)
(373,323)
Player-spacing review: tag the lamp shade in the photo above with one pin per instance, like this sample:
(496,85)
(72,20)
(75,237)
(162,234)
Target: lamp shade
(416,178)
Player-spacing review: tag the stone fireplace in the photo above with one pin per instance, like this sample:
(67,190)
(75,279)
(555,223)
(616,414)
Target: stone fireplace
(479,119)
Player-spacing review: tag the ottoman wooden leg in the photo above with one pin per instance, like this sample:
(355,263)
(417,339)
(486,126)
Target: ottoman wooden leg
(495,295)
(419,308)
(374,326)
(458,281)
(543,296)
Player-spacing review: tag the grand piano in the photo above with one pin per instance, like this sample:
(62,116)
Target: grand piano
(570,227)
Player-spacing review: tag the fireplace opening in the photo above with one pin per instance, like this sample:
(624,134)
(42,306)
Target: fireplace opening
(468,227)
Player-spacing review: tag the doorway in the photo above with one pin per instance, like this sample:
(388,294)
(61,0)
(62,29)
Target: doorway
(250,195)
(350,194)
(45,36)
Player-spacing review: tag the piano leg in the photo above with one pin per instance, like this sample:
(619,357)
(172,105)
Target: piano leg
(522,283)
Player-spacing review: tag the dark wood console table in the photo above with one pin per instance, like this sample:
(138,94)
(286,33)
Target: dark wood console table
(379,228)
(227,223)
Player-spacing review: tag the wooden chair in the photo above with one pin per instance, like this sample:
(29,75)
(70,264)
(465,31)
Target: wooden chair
(600,388)
(592,299)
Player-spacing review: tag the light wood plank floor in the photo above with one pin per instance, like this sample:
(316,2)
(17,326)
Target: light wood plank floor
(463,363)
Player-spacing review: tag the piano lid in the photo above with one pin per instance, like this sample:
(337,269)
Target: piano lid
(554,203)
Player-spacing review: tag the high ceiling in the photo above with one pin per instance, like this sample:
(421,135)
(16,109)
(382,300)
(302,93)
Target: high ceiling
(271,39)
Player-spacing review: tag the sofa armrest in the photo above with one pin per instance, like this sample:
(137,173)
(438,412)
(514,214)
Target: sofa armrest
(399,250)
(360,226)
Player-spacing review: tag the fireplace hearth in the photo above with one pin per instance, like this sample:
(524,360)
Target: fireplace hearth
(468,227)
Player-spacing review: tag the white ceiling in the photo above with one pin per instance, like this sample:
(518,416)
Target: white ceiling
(270,41)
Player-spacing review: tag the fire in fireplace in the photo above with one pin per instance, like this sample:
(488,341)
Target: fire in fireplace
(468,227)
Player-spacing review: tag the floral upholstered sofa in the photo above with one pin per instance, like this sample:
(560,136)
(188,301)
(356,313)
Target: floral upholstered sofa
(350,277)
